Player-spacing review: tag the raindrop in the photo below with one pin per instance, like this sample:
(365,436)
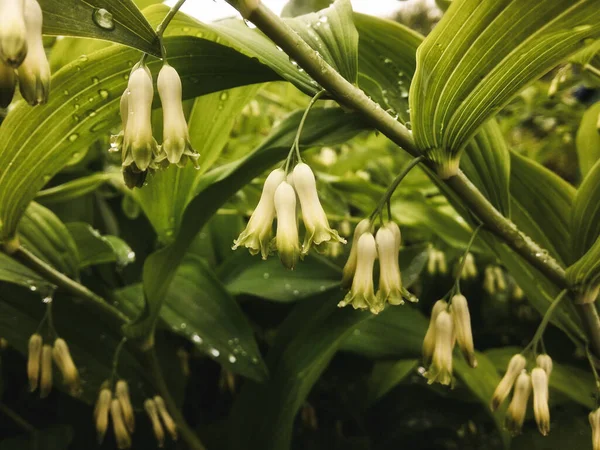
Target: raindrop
(296,292)
(322,288)
(224,96)
(356,332)
(66,92)
(266,275)
(287,286)
(126,77)
(103,93)
(232,359)
(131,256)
(76,117)
(47,299)
(387,61)
(254,360)
(95,80)
(279,48)
(199,34)
(214,352)
(76,105)
(73,137)
(183,326)
(408,125)
(32,286)
(91,99)
(91,113)
(323,19)
(197,339)
(103,19)
(83,58)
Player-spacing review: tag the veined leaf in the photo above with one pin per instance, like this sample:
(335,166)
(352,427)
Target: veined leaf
(322,127)
(76,188)
(36,143)
(14,272)
(47,237)
(93,248)
(588,138)
(165,198)
(198,307)
(481,54)
(585,231)
(112,20)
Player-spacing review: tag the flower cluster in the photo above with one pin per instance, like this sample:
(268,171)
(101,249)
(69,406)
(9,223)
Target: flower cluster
(278,200)
(118,408)
(39,366)
(436,262)
(517,376)
(358,271)
(494,280)
(140,152)
(22,54)
(469,269)
(449,324)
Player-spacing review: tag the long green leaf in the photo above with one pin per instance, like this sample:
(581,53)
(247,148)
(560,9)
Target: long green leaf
(76,188)
(481,54)
(36,143)
(588,138)
(93,248)
(14,272)
(112,20)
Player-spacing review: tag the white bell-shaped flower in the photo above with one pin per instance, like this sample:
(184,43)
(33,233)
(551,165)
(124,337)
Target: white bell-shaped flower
(315,220)
(594,418)
(469,269)
(8,83)
(13,34)
(390,281)
(350,267)
(34,72)
(440,370)
(462,328)
(286,239)
(176,139)
(539,381)
(362,294)
(139,146)
(545,362)
(515,367)
(515,416)
(258,233)
(429,341)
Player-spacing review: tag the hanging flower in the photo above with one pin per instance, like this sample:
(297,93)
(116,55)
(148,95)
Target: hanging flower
(257,235)
(515,367)
(64,362)
(545,362)
(515,415)
(122,435)
(286,239)
(594,418)
(440,370)
(157,428)
(315,220)
(429,341)
(34,359)
(122,395)
(46,371)
(362,295)
(101,411)
(166,417)
(176,139)
(462,327)
(350,266)
(13,34)
(436,262)
(34,72)
(539,381)
(469,269)
(390,281)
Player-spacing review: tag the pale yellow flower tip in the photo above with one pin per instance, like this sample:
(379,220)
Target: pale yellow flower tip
(46,371)
(515,416)
(157,427)
(64,362)
(462,327)
(34,359)
(539,381)
(122,435)
(101,411)
(259,231)
(594,418)
(122,395)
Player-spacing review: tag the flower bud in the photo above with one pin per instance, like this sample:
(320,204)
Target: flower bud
(545,362)
(350,267)
(152,412)
(500,280)
(429,341)
(315,220)
(594,418)
(34,359)
(489,280)
(46,371)
(515,367)
(122,395)
(8,82)
(462,327)
(166,417)
(362,295)
(469,269)
(13,32)
(34,72)
(539,380)
(62,358)
(287,227)
(257,235)
(121,434)
(101,412)
(176,138)
(436,262)
(441,365)
(515,415)
(390,282)
(139,146)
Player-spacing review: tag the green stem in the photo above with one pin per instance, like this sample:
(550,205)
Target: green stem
(392,187)
(162,26)
(115,361)
(160,385)
(39,266)
(592,69)
(461,266)
(540,330)
(17,418)
(352,97)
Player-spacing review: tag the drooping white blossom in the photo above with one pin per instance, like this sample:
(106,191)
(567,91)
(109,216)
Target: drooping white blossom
(286,239)
(462,328)
(362,294)
(390,281)
(350,267)
(515,366)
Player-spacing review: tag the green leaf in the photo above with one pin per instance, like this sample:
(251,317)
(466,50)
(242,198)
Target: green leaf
(541,206)
(481,54)
(47,237)
(247,274)
(76,188)
(323,127)
(36,143)
(58,437)
(112,20)
(94,248)
(588,138)
(198,307)
(14,272)
(574,383)
(165,198)
(386,375)
(585,231)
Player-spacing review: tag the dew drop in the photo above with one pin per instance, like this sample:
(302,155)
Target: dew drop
(232,359)
(103,93)
(47,299)
(103,19)
(91,113)
(266,275)
(214,352)
(183,326)
(296,292)
(199,34)
(95,80)
(323,19)
(76,118)
(224,96)
(66,92)
(73,137)
(197,339)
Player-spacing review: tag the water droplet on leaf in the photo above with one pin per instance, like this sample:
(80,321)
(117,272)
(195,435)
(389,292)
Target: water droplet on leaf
(103,19)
